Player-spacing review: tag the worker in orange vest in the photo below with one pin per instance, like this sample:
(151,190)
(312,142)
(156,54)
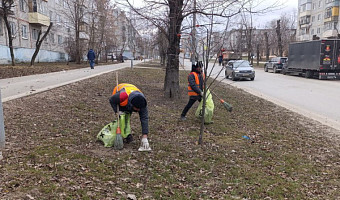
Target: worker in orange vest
(195,87)
(130,99)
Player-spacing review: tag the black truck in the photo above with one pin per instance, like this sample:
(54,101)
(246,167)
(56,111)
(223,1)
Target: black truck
(317,58)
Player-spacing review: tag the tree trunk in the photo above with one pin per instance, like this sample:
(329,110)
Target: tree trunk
(250,52)
(278,32)
(267,45)
(39,42)
(77,47)
(77,30)
(171,83)
(10,38)
(257,54)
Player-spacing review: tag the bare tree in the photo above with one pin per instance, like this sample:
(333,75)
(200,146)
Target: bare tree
(39,42)
(163,46)
(287,33)
(267,45)
(278,34)
(7,6)
(75,11)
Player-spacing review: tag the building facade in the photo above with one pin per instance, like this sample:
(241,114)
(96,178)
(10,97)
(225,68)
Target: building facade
(318,19)
(27,18)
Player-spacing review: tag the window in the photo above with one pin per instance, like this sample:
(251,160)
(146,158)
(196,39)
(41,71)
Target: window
(319,4)
(1,27)
(58,18)
(60,39)
(51,15)
(35,33)
(313,18)
(314,6)
(24,31)
(319,17)
(52,38)
(318,30)
(328,12)
(22,5)
(13,29)
(312,32)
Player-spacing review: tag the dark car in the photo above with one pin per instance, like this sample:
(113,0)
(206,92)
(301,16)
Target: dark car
(239,69)
(275,64)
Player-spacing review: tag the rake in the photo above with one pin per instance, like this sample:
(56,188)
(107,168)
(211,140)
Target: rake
(226,105)
(118,144)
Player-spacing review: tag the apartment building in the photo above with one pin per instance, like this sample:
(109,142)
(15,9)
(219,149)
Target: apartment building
(125,36)
(26,19)
(318,19)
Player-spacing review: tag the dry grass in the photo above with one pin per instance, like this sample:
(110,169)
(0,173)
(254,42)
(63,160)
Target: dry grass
(52,152)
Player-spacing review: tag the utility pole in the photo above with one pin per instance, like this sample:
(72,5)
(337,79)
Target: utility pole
(193,36)
(2,129)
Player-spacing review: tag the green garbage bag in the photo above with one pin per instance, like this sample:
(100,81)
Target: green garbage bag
(209,109)
(108,133)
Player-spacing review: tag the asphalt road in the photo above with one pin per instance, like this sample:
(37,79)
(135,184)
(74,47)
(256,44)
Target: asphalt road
(313,98)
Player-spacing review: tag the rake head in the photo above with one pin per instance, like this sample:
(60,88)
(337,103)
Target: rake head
(227,106)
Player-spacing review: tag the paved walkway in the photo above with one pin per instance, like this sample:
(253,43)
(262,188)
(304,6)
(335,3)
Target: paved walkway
(17,87)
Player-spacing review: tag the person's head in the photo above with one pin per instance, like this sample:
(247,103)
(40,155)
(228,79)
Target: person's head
(196,68)
(138,102)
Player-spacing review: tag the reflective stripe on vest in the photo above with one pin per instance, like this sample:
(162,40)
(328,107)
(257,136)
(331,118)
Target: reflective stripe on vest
(129,88)
(191,92)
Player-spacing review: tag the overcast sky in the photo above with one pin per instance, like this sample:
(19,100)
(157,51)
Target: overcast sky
(289,7)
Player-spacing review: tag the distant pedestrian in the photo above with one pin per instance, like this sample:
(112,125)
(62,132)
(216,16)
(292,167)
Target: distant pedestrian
(112,58)
(121,58)
(91,56)
(220,60)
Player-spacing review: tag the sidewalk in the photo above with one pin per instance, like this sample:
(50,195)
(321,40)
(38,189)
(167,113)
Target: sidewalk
(17,87)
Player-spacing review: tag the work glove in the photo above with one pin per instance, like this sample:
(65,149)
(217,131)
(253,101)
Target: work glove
(144,146)
(121,113)
(201,94)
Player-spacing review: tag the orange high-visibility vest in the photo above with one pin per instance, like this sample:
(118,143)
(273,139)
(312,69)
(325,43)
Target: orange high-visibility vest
(129,88)
(191,92)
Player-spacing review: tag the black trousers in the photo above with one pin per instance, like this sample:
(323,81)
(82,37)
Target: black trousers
(191,102)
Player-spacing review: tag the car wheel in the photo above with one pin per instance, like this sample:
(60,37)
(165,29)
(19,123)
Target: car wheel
(252,78)
(265,68)
(309,74)
(225,73)
(274,69)
(233,77)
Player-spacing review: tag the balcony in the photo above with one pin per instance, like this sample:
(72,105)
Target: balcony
(329,19)
(37,18)
(307,12)
(330,34)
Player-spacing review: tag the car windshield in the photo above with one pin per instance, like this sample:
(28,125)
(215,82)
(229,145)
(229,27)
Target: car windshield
(241,64)
(283,60)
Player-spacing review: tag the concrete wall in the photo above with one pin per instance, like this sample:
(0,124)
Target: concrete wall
(25,55)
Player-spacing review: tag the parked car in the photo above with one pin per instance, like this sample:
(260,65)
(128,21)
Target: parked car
(128,58)
(275,64)
(239,69)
